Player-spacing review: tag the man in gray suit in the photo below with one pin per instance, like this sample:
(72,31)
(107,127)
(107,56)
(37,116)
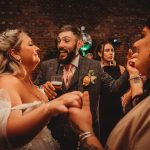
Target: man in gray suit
(87,75)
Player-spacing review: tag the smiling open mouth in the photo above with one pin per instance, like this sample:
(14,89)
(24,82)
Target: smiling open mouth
(63,51)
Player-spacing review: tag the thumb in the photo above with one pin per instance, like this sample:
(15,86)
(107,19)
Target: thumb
(129,55)
(85,101)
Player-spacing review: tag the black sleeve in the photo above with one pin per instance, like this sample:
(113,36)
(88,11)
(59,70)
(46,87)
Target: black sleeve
(119,86)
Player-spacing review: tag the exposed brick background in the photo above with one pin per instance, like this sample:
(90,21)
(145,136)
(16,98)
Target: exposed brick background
(102,18)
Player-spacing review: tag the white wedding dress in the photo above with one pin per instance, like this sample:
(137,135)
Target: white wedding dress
(43,141)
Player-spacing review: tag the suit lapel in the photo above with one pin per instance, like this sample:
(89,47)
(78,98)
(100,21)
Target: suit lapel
(78,75)
(59,69)
(74,79)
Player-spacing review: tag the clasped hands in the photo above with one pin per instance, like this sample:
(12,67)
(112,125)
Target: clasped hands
(77,106)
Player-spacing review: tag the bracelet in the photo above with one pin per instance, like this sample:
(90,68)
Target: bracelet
(84,136)
(134,77)
(85,133)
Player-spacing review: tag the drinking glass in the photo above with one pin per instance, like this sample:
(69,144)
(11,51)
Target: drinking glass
(56,81)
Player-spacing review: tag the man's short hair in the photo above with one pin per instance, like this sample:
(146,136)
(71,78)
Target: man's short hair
(76,31)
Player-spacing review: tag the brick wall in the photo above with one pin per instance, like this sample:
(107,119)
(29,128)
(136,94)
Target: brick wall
(102,19)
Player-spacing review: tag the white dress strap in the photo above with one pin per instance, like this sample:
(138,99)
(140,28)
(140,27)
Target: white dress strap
(27,105)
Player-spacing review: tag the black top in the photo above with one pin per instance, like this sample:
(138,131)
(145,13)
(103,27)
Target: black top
(114,71)
(110,106)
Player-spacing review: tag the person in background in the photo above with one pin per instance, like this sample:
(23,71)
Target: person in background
(133,130)
(106,52)
(82,74)
(89,56)
(24,109)
(110,105)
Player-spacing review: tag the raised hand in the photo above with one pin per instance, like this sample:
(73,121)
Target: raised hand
(81,117)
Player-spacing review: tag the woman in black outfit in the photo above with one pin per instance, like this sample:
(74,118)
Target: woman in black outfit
(110,104)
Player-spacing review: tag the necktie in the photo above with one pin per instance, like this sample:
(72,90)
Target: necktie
(68,73)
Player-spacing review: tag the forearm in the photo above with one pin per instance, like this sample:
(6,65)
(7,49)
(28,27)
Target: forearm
(126,97)
(119,86)
(22,128)
(136,85)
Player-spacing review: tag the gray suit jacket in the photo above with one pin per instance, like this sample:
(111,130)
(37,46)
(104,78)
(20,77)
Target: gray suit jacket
(51,67)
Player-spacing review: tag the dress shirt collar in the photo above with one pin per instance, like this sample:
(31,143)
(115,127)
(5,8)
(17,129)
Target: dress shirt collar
(75,61)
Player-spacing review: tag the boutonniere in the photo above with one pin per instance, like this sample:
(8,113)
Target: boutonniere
(90,78)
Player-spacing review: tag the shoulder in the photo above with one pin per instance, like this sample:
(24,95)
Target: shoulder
(87,64)
(13,86)
(133,124)
(139,113)
(90,61)
(9,78)
(50,61)
(9,81)
(144,105)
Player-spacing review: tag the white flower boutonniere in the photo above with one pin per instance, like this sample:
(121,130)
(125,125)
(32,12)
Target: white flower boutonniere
(90,78)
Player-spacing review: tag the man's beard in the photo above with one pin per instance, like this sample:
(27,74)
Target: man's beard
(69,58)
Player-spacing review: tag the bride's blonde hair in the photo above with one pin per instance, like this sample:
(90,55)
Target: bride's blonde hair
(11,39)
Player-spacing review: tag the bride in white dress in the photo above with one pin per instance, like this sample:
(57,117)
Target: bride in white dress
(43,139)
(24,109)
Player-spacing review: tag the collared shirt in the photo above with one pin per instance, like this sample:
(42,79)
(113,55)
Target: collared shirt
(75,63)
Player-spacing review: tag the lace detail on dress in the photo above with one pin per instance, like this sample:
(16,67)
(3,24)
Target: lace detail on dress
(5,108)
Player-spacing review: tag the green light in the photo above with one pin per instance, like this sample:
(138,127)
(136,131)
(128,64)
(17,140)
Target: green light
(85,48)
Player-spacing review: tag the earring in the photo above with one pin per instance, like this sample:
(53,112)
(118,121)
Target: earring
(18,58)
(20,61)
